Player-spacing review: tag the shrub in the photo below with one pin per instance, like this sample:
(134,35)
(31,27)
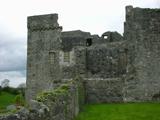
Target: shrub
(19,100)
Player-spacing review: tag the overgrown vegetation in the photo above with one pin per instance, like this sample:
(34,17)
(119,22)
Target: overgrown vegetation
(128,111)
(11,96)
(19,100)
(62,90)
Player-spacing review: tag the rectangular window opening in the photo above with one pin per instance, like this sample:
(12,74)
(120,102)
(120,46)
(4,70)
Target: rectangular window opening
(52,57)
(66,57)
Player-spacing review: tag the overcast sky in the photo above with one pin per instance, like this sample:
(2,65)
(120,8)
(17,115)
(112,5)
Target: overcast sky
(95,16)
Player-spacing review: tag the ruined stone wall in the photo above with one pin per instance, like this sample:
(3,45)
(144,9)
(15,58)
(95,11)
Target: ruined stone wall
(106,61)
(98,60)
(62,103)
(142,31)
(106,85)
(67,67)
(80,59)
(72,39)
(42,54)
(104,90)
(71,42)
(112,37)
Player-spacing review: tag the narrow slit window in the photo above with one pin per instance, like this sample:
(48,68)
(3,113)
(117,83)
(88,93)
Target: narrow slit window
(66,57)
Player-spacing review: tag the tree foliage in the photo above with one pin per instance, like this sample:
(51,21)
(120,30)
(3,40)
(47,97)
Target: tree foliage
(5,83)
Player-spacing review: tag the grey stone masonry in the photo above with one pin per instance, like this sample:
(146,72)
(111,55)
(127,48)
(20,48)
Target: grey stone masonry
(55,56)
(104,90)
(142,32)
(72,68)
(62,103)
(44,44)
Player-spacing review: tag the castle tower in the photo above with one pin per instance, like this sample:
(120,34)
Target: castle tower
(44,44)
(142,31)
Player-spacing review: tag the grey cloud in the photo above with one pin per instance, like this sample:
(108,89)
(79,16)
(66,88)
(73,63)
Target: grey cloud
(12,53)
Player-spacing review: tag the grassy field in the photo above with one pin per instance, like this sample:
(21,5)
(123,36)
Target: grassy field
(128,111)
(6,99)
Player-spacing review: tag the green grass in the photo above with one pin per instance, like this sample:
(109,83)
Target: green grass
(6,99)
(128,111)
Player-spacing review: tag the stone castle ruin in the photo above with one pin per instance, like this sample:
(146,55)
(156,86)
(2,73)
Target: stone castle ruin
(113,68)
(68,69)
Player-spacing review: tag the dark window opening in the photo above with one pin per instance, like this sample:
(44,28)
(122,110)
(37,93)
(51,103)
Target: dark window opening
(89,42)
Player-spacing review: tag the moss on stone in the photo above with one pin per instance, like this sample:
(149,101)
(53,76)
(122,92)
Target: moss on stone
(65,86)
(53,94)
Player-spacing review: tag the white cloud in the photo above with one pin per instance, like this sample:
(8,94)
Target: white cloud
(96,16)
(12,53)
(15,77)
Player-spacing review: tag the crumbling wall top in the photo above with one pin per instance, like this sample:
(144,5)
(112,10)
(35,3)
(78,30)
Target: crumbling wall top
(43,22)
(141,13)
(75,33)
(112,36)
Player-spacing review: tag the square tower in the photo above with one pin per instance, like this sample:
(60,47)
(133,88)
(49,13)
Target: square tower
(44,44)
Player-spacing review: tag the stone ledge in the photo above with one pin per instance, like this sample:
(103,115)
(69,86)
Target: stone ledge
(44,28)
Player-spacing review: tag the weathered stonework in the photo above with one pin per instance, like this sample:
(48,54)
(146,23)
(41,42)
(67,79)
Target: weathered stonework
(104,90)
(142,32)
(62,103)
(114,68)
(44,44)
(72,68)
